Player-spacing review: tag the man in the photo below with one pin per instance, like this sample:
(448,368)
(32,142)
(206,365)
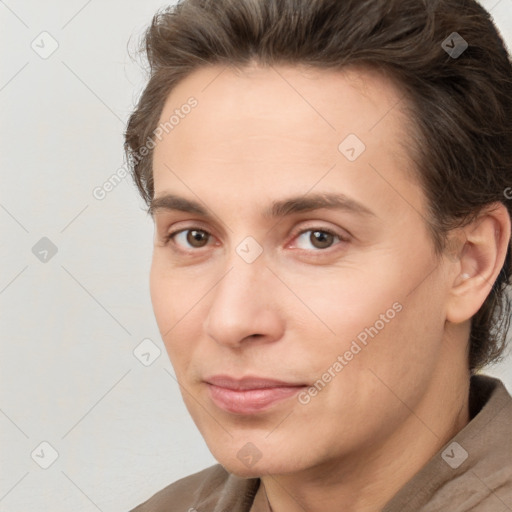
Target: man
(332,248)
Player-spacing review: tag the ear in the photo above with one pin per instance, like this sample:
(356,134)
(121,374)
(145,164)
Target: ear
(479,262)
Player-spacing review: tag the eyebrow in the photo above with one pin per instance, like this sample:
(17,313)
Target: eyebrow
(277,209)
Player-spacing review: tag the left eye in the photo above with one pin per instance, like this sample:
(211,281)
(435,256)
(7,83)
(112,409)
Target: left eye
(318,238)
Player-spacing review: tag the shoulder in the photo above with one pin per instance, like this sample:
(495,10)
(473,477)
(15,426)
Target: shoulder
(478,461)
(208,489)
(472,471)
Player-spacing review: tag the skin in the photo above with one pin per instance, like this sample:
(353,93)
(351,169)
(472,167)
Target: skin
(260,135)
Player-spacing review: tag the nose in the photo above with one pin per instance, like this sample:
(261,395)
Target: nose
(244,306)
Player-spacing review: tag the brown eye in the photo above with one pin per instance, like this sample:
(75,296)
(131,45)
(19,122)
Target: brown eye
(321,239)
(317,239)
(197,238)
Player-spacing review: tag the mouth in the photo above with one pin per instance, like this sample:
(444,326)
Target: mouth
(249,395)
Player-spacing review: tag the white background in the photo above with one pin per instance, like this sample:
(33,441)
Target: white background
(69,326)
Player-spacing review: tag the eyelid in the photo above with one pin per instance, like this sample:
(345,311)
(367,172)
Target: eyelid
(185,225)
(168,237)
(343,235)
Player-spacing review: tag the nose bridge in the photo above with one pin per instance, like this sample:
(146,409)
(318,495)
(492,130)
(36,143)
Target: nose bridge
(241,287)
(240,305)
(246,270)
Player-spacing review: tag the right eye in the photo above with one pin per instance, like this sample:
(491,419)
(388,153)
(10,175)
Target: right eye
(189,238)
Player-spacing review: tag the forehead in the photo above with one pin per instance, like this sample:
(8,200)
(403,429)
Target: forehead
(281,126)
(320,101)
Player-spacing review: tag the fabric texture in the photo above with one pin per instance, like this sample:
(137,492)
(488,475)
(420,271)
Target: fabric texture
(472,472)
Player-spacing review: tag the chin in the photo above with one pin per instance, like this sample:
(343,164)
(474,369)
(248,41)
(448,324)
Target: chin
(257,469)
(242,471)
(233,463)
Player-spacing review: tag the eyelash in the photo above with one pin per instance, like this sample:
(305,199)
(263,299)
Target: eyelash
(168,238)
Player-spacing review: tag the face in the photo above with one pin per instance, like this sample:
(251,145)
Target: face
(298,293)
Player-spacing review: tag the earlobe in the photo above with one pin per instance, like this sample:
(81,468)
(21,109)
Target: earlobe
(480,262)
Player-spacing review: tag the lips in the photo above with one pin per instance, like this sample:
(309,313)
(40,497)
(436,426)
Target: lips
(249,395)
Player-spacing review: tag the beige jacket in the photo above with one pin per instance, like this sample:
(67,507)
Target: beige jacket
(473,475)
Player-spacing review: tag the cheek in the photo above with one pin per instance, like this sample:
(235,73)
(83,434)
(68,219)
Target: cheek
(397,358)
(161,296)
(177,308)
(167,301)
(347,305)
(171,293)
(377,325)
(372,380)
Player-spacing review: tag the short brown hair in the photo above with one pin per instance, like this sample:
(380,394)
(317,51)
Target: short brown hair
(461,105)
